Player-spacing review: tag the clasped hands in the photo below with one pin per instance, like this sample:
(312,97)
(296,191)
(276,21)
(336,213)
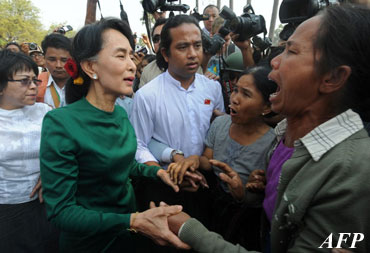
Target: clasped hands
(185,174)
(179,171)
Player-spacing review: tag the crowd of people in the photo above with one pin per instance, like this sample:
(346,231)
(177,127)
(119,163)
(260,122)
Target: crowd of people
(108,149)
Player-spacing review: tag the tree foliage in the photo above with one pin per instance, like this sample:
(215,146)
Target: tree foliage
(20,21)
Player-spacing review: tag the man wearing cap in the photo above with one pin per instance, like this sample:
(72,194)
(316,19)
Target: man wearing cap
(57,50)
(37,56)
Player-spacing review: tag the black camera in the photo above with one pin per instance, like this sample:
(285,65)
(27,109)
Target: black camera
(152,6)
(247,25)
(212,45)
(297,11)
(32,46)
(142,50)
(198,16)
(261,43)
(64,29)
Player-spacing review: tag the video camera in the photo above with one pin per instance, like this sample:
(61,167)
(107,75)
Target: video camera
(247,25)
(297,11)
(152,6)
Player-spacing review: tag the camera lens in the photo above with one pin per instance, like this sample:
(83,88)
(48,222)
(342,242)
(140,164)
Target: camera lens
(32,46)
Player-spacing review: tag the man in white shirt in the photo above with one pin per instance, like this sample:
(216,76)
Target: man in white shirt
(57,50)
(175,108)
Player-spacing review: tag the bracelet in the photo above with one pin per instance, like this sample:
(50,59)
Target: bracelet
(133,220)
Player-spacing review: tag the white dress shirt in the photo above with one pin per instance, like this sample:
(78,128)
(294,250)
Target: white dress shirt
(20,132)
(176,117)
(48,99)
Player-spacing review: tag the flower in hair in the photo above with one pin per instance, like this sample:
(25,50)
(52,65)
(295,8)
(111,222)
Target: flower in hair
(71,68)
(79,80)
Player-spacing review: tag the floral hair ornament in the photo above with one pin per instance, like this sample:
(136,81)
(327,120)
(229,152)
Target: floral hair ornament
(72,70)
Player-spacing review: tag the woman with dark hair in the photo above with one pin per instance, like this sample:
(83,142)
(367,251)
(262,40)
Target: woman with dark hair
(241,140)
(88,151)
(23,223)
(318,189)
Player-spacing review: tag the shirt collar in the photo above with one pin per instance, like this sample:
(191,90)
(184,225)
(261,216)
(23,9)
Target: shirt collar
(177,83)
(51,81)
(327,135)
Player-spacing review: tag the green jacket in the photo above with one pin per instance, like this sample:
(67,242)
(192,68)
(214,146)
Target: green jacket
(314,200)
(87,156)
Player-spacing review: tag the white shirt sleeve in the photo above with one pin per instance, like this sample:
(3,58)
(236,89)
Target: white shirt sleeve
(141,119)
(219,103)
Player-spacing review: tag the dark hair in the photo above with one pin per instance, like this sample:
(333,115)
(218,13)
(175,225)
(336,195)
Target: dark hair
(149,58)
(210,6)
(56,40)
(261,81)
(166,38)
(11,63)
(86,45)
(160,21)
(343,39)
(13,43)
(287,31)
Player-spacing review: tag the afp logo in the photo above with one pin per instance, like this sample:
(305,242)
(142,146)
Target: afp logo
(343,237)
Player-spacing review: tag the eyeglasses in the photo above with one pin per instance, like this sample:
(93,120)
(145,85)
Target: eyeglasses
(27,82)
(156,38)
(34,55)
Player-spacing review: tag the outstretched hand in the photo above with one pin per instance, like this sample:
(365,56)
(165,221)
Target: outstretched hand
(256,181)
(176,221)
(232,178)
(178,170)
(153,224)
(192,181)
(165,177)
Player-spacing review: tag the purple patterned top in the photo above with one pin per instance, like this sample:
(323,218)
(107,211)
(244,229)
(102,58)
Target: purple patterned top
(279,157)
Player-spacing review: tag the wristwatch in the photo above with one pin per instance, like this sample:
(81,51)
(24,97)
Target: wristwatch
(176,152)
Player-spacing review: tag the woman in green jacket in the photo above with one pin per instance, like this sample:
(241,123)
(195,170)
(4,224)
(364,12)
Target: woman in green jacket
(88,151)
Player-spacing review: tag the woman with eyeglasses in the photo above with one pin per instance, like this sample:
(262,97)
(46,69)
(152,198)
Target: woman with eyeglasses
(23,223)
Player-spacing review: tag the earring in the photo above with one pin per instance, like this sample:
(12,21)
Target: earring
(263,114)
(95,76)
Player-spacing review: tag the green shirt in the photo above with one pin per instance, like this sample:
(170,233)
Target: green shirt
(86,158)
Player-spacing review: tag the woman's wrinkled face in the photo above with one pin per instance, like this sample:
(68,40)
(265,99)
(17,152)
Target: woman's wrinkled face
(294,72)
(246,101)
(17,94)
(114,67)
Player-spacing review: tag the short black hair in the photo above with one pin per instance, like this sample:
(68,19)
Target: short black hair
(87,44)
(166,39)
(210,6)
(13,43)
(11,63)
(56,40)
(160,21)
(149,58)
